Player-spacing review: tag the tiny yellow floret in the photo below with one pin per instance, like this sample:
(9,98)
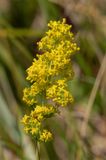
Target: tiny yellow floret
(45,136)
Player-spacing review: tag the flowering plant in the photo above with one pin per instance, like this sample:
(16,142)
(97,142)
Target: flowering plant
(49,75)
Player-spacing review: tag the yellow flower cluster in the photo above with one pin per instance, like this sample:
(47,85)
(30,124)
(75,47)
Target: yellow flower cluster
(49,75)
(45,136)
(33,122)
(59,93)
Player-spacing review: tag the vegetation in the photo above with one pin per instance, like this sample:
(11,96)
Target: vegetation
(80,129)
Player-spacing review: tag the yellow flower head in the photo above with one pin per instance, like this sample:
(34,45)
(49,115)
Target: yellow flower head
(48,76)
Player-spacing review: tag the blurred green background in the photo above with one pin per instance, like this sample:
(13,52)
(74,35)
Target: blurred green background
(80,130)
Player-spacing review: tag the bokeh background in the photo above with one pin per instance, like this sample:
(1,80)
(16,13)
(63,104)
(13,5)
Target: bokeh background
(80,130)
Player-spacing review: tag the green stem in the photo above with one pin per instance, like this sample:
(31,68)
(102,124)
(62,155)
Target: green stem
(37,145)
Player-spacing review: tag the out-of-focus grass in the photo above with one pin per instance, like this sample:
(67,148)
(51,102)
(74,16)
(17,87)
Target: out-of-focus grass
(22,24)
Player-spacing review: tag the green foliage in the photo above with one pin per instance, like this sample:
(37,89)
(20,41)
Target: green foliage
(22,24)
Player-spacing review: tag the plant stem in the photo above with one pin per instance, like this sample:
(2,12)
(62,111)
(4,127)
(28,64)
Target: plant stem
(38,150)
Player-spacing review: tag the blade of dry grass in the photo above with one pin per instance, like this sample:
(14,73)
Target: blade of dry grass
(93,95)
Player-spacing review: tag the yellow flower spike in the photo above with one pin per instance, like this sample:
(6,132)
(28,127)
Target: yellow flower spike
(48,76)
